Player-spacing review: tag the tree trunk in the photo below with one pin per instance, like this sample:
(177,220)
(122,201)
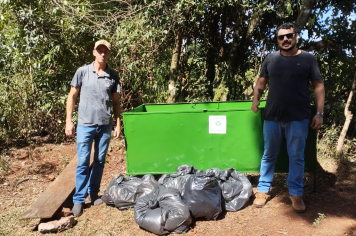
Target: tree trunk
(240,42)
(305,11)
(212,44)
(348,116)
(173,73)
(220,93)
(221,46)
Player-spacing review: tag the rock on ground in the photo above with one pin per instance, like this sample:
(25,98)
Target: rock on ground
(57,225)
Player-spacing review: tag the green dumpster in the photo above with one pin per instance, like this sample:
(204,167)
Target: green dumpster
(161,137)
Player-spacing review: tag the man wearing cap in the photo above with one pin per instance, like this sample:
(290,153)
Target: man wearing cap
(99,89)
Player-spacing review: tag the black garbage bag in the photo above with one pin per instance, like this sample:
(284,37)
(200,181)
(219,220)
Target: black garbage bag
(163,212)
(236,188)
(179,179)
(219,174)
(111,193)
(202,195)
(124,192)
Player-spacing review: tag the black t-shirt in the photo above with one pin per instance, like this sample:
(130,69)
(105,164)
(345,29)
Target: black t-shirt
(288,95)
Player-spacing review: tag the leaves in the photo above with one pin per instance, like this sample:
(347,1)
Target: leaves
(223,44)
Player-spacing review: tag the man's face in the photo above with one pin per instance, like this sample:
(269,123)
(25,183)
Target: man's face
(286,39)
(101,54)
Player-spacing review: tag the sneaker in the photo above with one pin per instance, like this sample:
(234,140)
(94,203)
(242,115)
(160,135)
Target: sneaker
(96,200)
(297,203)
(260,200)
(77,209)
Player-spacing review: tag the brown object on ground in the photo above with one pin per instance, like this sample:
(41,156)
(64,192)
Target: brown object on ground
(297,204)
(64,212)
(50,201)
(54,196)
(260,200)
(57,225)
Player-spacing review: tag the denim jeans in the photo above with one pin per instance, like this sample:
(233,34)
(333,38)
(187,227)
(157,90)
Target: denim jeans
(87,181)
(295,133)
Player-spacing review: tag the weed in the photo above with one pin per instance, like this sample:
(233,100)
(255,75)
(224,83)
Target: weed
(4,164)
(328,142)
(319,219)
(64,160)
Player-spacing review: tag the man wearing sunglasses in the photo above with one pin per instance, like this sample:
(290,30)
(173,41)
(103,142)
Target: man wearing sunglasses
(288,72)
(99,92)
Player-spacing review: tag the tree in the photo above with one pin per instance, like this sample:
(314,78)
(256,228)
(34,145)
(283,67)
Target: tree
(348,115)
(176,51)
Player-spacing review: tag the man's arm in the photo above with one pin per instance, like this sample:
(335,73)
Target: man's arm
(73,93)
(117,112)
(257,93)
(319,93)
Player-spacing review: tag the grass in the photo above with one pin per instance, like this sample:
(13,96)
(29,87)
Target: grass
(11,225)
(105,221)
(64,160)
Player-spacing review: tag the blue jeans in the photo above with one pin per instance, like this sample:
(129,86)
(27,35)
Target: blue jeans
(296,133)
(87,181)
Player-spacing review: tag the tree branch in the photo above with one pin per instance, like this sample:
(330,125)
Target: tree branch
(305,11)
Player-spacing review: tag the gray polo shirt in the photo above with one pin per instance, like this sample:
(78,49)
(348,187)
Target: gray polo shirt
(95,95)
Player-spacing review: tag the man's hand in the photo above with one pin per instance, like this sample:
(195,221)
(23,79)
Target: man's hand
(70,129)
(316,122)
(73,93)
(254,106)
(257,93)
(117,132)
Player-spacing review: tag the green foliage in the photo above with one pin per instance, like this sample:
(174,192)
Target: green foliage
(335,52)
(328,141)
(223,44)
(34,69)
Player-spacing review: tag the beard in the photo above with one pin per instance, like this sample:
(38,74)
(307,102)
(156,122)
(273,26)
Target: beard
(292,46)
(288,49)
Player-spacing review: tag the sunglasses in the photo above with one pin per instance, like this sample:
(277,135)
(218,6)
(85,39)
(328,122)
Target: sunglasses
(289,36)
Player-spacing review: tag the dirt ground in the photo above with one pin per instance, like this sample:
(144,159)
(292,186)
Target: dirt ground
(331,209)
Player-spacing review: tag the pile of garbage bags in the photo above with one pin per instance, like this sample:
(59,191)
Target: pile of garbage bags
(170,204)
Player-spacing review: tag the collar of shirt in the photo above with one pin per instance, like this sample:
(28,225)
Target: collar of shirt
(105,74)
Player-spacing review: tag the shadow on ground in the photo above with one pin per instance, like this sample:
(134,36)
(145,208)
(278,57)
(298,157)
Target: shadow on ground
(334,196)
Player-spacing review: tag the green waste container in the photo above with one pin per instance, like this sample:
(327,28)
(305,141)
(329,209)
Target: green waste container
(161,137)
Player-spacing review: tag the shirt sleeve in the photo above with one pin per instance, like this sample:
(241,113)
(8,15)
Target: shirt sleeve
(116,88)
(77,79)
(314,70)
(264,71)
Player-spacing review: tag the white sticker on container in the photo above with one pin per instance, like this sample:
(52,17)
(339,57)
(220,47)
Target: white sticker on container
(217,124)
